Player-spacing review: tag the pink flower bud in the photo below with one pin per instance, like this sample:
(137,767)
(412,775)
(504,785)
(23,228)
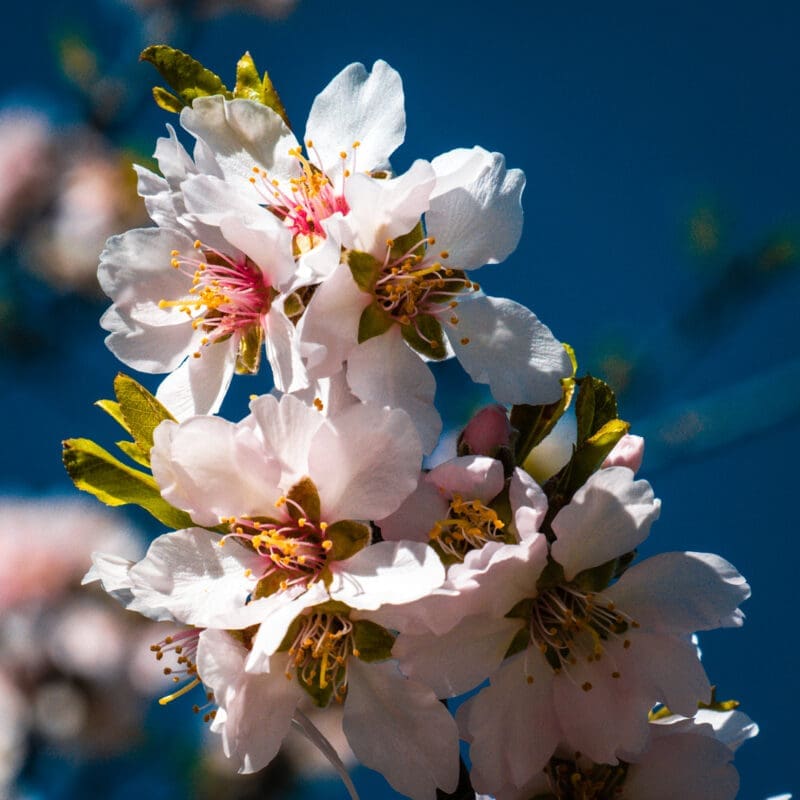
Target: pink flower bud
(628,452)
(487,431)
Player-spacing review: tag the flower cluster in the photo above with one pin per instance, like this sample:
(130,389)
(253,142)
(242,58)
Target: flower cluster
(314,555)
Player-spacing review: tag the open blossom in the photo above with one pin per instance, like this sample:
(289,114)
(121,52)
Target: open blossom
(334,652)
(290,487)
(588,662)
(242,229)
(409,285)
(686,758)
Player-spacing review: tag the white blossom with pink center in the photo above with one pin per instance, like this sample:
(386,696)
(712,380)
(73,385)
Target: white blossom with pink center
(291,488)
(419,290)
(393,724)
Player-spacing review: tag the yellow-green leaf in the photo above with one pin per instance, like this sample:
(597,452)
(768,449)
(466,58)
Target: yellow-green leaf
(251,86)
(167,100)
(187,77)
(131,449)
(111,407)
(141,412)
(96,471)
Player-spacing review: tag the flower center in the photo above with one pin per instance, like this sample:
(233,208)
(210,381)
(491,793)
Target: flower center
(307,199)
(418,283)
(319,655)
(227,295)
(567,624)
(293,550)
(569,781)
(469,526)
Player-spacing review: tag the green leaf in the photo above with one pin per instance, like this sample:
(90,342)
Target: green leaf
(534,423)
(372,642)
(304,493)
(594,407)
(187,77)
(404,243)
(251,86)
(141,413)
(364,268)
(112,408)
(167,100)
(131,449)
(248,81)
(586,459)
(373,322)
(96,471)
(425,335)
(593,452)
(348,538)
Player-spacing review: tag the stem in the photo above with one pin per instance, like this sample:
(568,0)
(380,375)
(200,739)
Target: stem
(303,724)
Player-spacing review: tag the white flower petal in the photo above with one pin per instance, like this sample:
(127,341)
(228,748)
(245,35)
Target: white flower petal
(386,209)
(256,710)
(193,464)
(684,765)
(681,593)
(528,503)
(460,659)
(199,385)
(508,348)
(365,462)
(241,134)
(191,576)
(471,477)
(288,427)
(476,210)
(511,725)
(386,572)
(417,515)
(732,728)
(358,106)
(328,328)
(609,515)
(399,728)
(385,371)
(282,344)
(671,669)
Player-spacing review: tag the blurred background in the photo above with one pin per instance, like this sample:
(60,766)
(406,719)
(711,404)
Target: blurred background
(662,241)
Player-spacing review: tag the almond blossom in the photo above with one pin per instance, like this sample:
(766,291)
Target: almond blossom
(333,651)
(241,228)
(687,758)
(586,661)
(290,489)
(413,242)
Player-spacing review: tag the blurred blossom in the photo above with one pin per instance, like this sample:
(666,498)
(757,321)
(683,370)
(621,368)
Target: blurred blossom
(13,721)
(26,164)
(66,655)
(94,198)
(45,545)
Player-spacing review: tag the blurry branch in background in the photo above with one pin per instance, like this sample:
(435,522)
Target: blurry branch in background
(658,366)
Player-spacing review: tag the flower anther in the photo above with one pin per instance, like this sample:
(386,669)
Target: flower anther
(469,525)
